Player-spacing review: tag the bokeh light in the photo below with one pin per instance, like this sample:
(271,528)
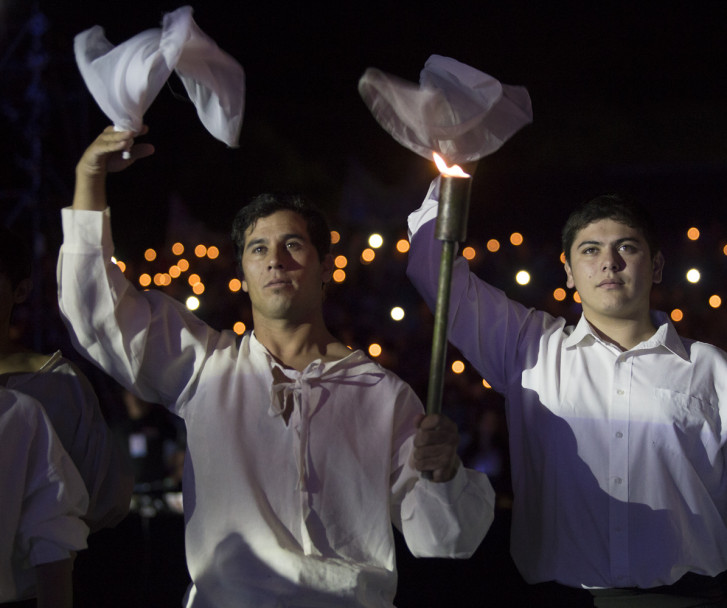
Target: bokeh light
(458,366)
(341,261)
(469,253)
(368,255)
(493,245)
(239,328)
(192,303)
(339,275)
(402,245)
(335,237)
(177,249)
(522,277)
(234,285)
(676,315)
(200,251)
(145,280)
(397,313)
(693,275)
(213,252)
(559,294)
(715,301)
(516,239)
(376,241)
(374,349)
(150,255)
(693,233)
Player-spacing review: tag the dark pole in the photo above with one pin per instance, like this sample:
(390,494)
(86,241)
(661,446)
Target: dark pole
(451,228)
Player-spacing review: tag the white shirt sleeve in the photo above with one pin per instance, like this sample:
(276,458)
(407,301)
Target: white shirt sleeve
(447,519)
(148,341)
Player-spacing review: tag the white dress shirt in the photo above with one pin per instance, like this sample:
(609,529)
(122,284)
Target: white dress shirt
(73,408)
(41,493)
(618,458)
(278,513)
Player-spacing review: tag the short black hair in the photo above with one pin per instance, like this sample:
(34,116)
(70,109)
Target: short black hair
(16,260)
(623,209)
(266,204)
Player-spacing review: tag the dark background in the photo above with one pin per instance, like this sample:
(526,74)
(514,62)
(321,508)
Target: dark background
(627,97)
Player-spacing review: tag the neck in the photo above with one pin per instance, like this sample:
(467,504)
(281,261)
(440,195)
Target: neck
(624,333)
(296,346)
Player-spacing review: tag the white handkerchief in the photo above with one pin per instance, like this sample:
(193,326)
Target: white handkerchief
(125,79)
(459,112)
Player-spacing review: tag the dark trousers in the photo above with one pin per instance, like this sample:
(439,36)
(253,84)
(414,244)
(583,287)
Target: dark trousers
(690,591)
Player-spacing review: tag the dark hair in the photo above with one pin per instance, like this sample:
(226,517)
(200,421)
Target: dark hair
(265,205)
(16,261)
(613,207)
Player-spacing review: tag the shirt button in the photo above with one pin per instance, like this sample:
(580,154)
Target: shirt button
(619,434)
(618,481)
(619,392)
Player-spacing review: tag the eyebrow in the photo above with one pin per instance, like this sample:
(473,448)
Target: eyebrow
(620,241)
(263,241)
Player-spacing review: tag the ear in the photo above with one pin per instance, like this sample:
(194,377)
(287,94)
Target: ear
(658,267)
(22,291)
(327,268)
(569,281)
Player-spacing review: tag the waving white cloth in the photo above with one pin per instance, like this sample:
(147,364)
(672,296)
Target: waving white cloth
(459,112)
(125,79)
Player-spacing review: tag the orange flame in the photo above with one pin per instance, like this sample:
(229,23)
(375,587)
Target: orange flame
(453,171)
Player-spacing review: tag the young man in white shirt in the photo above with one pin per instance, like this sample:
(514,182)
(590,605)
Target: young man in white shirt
(616,424)
(300,451)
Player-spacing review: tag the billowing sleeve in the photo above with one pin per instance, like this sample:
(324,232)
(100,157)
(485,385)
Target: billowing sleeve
(146,340)
(447,519)
(486,326)
(55,498)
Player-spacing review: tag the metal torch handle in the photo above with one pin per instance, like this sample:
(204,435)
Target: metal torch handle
(451,227)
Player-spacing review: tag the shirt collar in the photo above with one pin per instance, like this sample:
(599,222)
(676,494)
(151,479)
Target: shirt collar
(665,335)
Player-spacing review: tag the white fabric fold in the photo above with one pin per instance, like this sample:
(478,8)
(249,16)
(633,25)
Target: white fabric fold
(125,79)
(457,111)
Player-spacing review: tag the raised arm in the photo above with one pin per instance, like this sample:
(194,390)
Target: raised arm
(149,342)
(104,156)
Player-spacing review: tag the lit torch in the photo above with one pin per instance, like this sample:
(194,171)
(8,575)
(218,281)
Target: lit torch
(451,228)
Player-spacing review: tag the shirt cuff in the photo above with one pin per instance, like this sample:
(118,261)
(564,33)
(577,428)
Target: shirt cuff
(447,492)
(85,231)
(428,210)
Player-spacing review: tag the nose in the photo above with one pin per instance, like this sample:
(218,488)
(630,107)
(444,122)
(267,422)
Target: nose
(611,260)
(276,257)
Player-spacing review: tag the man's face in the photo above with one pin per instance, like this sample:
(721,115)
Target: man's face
(282,273)
(612,269)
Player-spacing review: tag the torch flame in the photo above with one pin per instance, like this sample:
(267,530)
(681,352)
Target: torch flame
(453,171)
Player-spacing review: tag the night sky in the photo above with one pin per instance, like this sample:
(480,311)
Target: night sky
(627,97)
